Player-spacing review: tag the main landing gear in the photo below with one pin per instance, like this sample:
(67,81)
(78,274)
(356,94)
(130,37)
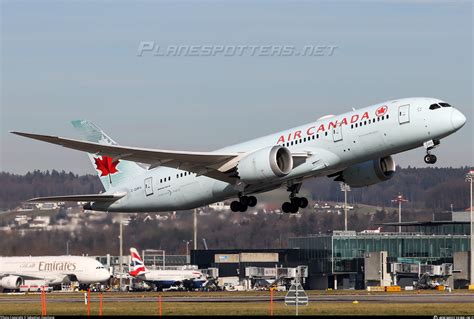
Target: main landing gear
(430,145)
(295,203)
(243,203)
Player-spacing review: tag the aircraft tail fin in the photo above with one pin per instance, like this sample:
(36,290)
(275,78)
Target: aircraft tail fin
(137,267)
(111,171)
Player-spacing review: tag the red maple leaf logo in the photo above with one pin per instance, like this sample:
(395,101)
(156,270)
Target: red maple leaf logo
(106,166)
(381,110)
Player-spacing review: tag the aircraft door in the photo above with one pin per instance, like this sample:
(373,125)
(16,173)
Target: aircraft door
(404,114)
(149,186)
(337,133)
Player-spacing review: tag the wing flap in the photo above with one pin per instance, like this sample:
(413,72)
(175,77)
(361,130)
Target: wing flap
(80,198)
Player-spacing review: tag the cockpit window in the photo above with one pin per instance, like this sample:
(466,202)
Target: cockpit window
(444,104)
(434,106)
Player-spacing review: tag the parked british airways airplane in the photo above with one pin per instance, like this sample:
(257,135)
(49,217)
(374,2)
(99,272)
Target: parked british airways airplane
(354,147)
(164,278)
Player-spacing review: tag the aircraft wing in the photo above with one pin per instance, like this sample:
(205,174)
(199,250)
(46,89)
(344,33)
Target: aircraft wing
(202,163)
(80,198)
(48,278)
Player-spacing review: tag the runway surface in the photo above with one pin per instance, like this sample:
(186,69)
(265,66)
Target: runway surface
(137,297)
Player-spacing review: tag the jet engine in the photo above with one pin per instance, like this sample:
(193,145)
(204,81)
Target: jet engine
(265,164)
(11,282)
(368,173)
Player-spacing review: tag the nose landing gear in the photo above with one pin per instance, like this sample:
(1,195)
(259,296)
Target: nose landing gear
(295,203)
(430,145)
(430,159)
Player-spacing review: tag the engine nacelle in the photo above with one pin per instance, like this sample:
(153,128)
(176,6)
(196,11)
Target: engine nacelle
(265,164)
(368,173)
(11,282)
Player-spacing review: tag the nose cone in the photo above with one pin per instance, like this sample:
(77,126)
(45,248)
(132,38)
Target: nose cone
(457,119)
(104,276)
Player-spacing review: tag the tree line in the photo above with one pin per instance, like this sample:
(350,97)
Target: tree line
(425,188)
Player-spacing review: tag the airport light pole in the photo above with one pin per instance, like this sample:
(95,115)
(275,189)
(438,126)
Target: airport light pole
(195,228)
(121,253)
(345,188)
(67,248)
(399,199)
(187,250)
(470,178)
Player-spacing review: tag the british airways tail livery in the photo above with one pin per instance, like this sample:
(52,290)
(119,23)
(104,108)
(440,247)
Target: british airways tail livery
(354,147)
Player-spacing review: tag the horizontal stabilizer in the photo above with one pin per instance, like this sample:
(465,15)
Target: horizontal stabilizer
(80,198)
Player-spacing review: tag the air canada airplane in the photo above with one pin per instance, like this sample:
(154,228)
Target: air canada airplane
(53,270)
(353,147)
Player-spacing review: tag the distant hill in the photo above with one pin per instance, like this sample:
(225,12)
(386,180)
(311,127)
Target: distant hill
(426,188)
(16,188)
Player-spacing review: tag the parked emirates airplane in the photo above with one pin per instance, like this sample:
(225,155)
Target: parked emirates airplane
(53,270)
(354,147)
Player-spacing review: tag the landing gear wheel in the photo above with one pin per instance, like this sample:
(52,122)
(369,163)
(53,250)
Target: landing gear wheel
(244,200)
(296,201)
(304,202)
(430,159)
(301,202)
(252,201)
(242,207)
(235,206)
(294,209)
(286,207)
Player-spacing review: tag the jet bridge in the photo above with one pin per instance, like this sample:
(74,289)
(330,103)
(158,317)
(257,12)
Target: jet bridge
(424,276)
(266,278)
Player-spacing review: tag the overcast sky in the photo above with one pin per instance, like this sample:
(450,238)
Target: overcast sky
(63,61)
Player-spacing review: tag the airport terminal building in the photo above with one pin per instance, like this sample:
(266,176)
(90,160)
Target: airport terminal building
(424,252)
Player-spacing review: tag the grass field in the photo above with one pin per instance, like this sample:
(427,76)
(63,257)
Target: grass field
(144,307)
(251,308)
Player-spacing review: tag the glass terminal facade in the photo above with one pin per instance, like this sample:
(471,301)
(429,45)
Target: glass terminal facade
(344,253)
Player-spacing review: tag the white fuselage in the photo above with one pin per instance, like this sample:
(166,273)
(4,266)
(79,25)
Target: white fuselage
(170,277)
(54,269)
(334,143)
